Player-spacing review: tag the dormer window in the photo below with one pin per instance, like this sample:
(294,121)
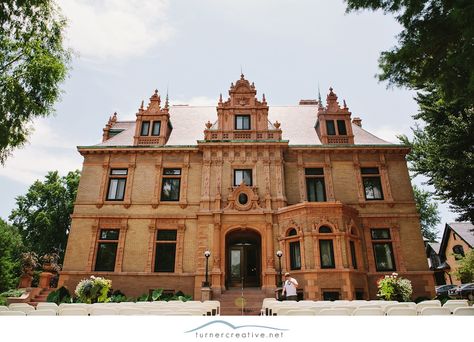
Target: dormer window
(145,128)
(156,128)
(341,127)
(331,129)
(242,122)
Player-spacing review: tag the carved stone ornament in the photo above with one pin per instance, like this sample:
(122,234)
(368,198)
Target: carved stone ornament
(243,198)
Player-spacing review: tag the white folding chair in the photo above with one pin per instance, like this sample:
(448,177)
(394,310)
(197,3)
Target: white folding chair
(301,312)
(158,312)
(366,311)
(42,312)
(73,312)
(401,311)
(19,305)
(334,312)
(469,311)
(12,313)
(104,311)
(131,312)
(24,309)
(435,311)
(454,306)
(51,306)
(4,308)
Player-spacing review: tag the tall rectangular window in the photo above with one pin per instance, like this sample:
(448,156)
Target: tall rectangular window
(107,250)
(315,187)
(326,250)
(117,183)
(295,255)
(383,251)
(372,183)
(170,186)
(145,128)
(242,122)
(243,175)
(353,254)
(165,252)
(155,131)
(331,129)
(341,127)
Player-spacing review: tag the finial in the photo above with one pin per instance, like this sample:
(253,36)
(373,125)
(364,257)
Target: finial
(114,117)
(141,106)
(156,91)
(241,73)
(208,124)
(263,98)
(167,104)
(277,124)
(220,98)
(330,89)
(344,103)
(320,102)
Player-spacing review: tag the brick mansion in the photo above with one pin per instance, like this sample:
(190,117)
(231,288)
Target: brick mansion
(244,180)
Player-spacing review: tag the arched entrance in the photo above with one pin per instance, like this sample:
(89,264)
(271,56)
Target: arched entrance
(243,258)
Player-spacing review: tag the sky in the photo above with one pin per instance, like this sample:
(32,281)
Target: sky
(124,49)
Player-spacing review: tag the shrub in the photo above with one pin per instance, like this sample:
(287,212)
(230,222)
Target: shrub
(94,290)
(61,295)
(394,288)
(465,270)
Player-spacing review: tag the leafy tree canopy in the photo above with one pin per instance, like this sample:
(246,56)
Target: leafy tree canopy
(429,214)
(43,215)
(435,56)
(10,249)
(33,62)
(465,271)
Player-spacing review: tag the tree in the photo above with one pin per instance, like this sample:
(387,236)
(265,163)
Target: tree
(428,211)
(465,270)
(42,216)
(435,56)
(11,247)
(33,63)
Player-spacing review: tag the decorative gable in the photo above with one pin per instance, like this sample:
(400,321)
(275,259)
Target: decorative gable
(153,126)
(333,125)
(242,116)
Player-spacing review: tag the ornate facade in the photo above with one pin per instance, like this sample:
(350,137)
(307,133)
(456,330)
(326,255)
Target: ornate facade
(307,180)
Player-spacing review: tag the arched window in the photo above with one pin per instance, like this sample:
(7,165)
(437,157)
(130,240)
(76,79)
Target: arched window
(325,230)
(458,252)
(326,249)
(295,251)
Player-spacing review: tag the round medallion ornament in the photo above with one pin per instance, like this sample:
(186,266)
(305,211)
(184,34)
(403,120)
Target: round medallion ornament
(243,198)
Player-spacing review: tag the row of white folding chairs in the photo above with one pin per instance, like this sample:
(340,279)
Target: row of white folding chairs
(209,307)
(270,307)
(400,311)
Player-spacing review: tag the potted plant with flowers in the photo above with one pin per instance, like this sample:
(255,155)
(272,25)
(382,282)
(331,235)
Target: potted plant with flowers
(29,262)
(393,287)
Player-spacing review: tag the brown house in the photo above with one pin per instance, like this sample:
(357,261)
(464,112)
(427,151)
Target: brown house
(307,180)
(457,241)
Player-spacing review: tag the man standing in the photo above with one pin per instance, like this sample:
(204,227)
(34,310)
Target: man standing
(289,287)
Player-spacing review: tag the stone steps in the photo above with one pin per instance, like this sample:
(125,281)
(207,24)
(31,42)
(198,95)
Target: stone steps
(231,302)
(42,297)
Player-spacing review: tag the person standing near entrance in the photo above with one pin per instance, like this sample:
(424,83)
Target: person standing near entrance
(289,287)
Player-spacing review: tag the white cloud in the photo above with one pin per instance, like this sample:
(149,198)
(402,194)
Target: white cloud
(46,151)
(115,29)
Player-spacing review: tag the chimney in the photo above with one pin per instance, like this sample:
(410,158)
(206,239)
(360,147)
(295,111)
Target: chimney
(357,121)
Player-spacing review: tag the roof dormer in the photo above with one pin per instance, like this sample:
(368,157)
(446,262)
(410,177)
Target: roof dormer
(333,124)
(242,116)
(153,126)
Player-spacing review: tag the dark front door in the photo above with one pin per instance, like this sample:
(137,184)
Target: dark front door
(243,262)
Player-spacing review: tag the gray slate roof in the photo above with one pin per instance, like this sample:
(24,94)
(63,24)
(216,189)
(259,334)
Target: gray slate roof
(465,230)
(297,125)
